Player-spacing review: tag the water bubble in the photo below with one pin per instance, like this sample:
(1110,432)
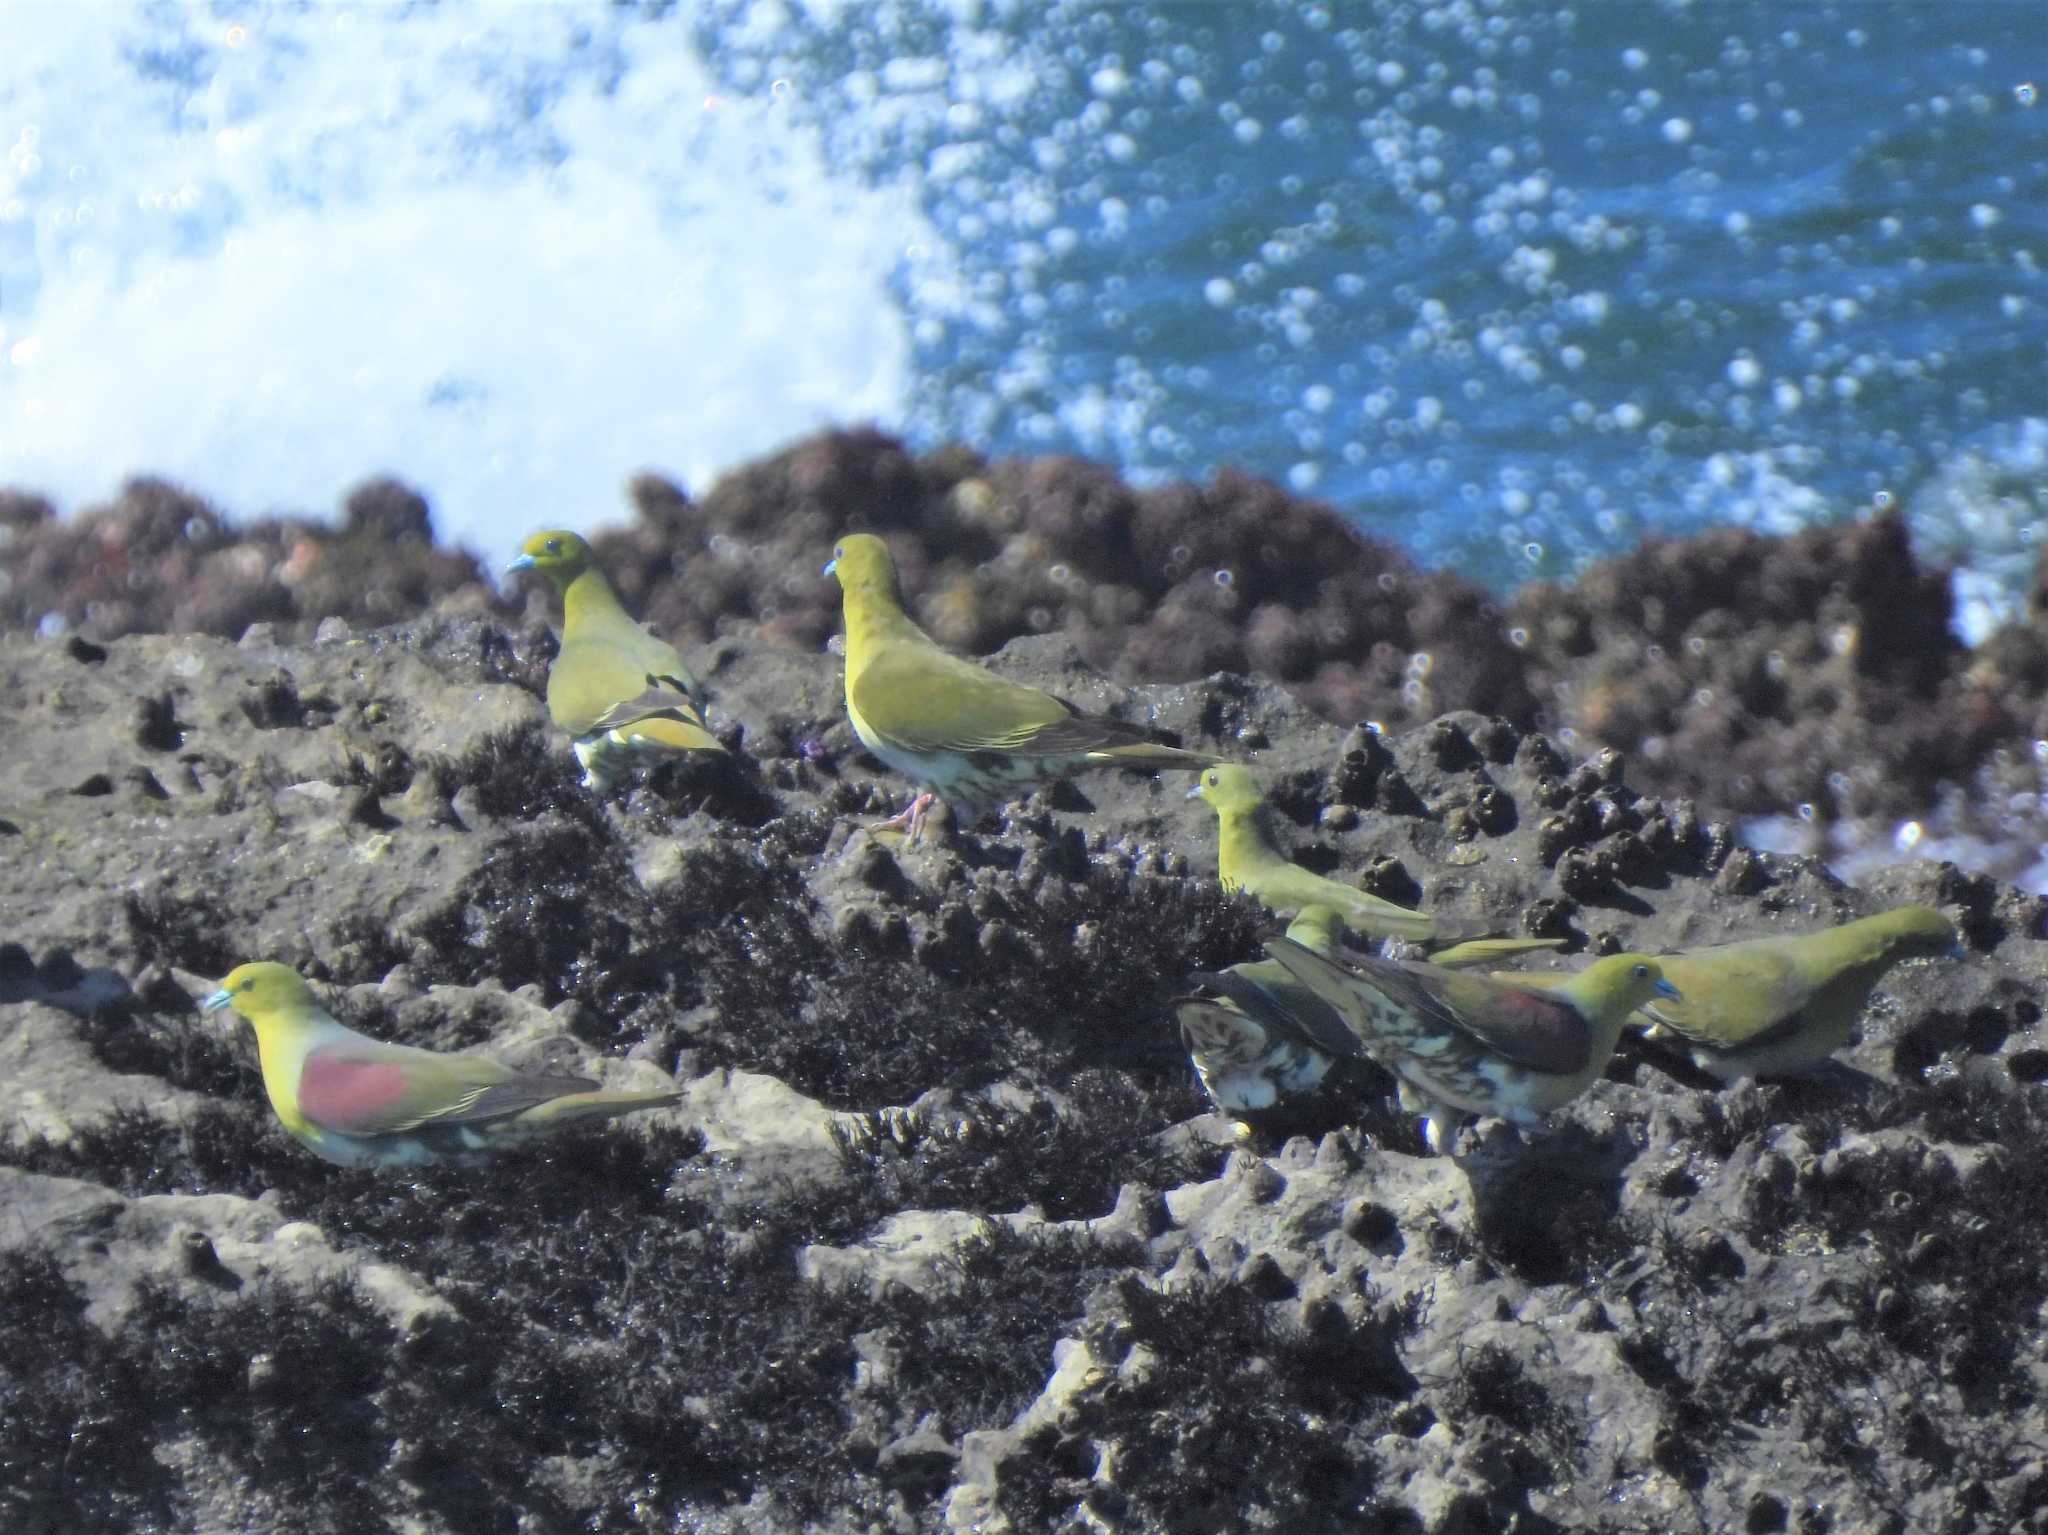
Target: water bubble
(1532,552)
(2025,94)
(780,90)
(1223,578)
(1039,618)
(196,527)
(1109,81)
(1220,291)
(1518,637)
(1805,811)
(1883,500)
(51,624)
(1696,645)
(1703,698)
(1386,581)
(1907,836)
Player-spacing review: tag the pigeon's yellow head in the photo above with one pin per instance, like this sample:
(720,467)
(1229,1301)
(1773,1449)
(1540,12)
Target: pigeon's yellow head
(262,992)
(861,562)
(1616,986)
(558,554)
(1231,789)
(1911,930)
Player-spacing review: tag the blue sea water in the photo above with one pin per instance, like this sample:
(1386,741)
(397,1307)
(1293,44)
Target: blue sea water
(1512,285)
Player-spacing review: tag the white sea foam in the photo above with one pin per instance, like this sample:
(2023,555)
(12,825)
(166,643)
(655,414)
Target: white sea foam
(510,253)
(515,252)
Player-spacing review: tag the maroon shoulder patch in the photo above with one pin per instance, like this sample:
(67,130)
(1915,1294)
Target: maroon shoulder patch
(352,1096)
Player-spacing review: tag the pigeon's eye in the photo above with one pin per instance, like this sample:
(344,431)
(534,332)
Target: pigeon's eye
(839,552)
(249,984)
(1641,972)
(554,546)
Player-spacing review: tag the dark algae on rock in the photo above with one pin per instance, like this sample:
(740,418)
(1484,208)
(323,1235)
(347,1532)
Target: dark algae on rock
(940,1233)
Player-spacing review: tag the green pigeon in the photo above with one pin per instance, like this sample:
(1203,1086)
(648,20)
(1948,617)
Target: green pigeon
(1268,1038)
(360,1101)
(957,730)
(1466,1044)
(1248,858)
(614,687)
(1782,1006)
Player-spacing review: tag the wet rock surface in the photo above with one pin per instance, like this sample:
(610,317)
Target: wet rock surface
(941,1236)
(1811,676)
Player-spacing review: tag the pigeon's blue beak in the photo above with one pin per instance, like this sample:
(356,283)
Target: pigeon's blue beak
(1666,989)
(524,562)
(830,566)
(1195,792)
(217,1000)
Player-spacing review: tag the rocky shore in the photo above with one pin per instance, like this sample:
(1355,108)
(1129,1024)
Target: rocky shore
(941,1236)
(1813,676)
